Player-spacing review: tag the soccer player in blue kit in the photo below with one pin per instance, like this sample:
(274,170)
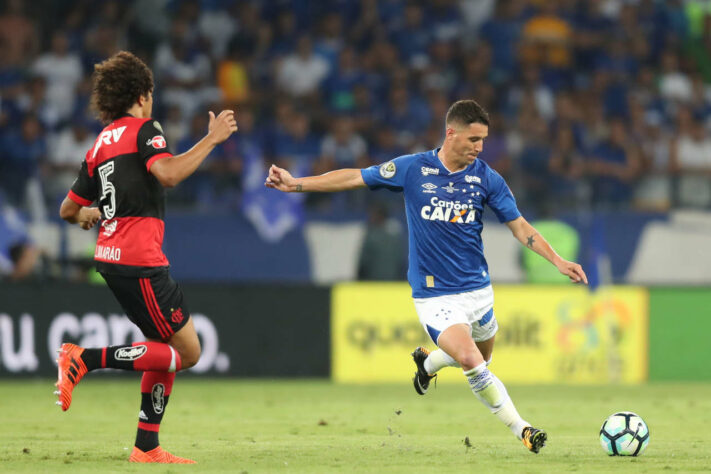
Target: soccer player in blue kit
(445,191)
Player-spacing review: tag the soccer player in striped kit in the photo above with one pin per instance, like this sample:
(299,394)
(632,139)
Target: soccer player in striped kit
(125,173)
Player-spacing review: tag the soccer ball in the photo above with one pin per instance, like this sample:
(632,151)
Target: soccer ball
(624,434)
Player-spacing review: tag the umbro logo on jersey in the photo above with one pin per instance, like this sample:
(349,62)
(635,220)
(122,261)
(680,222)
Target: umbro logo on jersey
(472,179)
(428,171)
(429,188)
(156,142)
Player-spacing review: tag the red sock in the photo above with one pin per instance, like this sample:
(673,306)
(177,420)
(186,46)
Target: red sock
(155,389)
(140,356)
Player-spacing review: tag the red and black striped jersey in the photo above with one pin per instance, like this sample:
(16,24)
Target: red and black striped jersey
(115,173)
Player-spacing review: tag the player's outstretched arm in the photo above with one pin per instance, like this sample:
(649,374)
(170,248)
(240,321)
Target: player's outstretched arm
(338,180)
(86,217)
(529,236)
(172,170)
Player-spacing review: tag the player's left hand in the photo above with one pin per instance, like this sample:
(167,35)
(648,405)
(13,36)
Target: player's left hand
(88,217)
(573,271)
(280,179)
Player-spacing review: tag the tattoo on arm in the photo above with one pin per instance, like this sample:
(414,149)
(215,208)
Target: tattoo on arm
(299,188)
(530,241)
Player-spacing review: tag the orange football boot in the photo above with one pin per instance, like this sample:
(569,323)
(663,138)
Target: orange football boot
(70,370)
(157,455)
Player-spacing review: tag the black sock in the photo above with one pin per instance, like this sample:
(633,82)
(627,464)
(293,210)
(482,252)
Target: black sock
(105,357)
(153,406)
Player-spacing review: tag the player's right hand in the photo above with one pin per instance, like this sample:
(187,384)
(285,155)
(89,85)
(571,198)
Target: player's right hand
(222,126)
(280,179)
(89,217)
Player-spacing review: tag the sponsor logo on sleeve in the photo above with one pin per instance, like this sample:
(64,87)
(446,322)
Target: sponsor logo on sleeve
(387,170)
(157,142)
(428,171)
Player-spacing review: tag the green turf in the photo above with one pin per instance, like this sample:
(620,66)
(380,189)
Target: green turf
(315,426)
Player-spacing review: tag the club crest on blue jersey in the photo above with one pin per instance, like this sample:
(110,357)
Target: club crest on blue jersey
(387,170)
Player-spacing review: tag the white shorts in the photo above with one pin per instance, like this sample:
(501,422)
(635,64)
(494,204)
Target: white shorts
(475,308)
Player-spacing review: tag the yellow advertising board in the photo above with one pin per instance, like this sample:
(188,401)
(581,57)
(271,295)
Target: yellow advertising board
(547,334)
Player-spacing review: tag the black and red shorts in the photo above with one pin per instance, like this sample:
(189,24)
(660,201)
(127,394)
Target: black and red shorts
(155,304)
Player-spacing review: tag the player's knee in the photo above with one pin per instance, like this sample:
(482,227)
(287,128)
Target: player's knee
(468,360)
(190,356)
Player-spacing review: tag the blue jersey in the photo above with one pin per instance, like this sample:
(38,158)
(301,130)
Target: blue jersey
(444,212)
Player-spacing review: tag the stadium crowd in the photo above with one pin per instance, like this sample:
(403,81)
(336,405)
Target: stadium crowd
(595,104)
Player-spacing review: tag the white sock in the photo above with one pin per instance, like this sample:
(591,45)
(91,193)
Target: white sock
(508,413)
(439,359)
(492,393)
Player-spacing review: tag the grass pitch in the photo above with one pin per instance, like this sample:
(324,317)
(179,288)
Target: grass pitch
(318,427)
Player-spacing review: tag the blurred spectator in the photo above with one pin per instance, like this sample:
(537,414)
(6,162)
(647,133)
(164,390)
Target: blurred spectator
(23,152)
(62,70)
(382,254)
(406,114)
(19,38)
(532,86)
(218,26)
(385,146)
(495,152)
(233,75)
(18,255)
(201,186)
(342,148)
(690,158)
(174,125)
(674,85)
(654,191)
(612,166)
(533,163)
(298,149)
(547,38)
(33,100)
(412,38)
(68,149)
(184,72)
(502,32)
(342,81)
(566,166)
(301,73)
(330,40)
(446,21)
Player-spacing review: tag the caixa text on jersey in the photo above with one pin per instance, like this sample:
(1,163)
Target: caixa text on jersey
(448,211)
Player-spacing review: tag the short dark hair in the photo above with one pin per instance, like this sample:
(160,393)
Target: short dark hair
(118,82)
(465,112)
